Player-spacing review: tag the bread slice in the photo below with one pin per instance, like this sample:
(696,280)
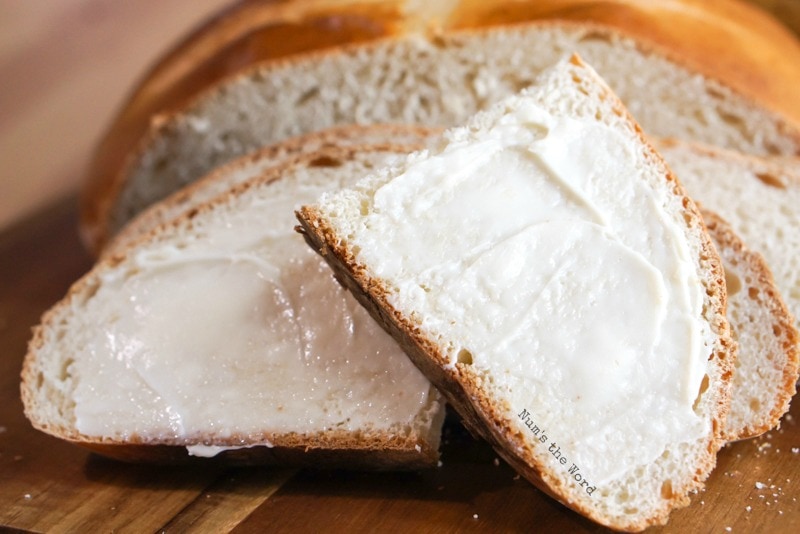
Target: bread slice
(391,138)
(221,332)
(432,79)
(768,341)
(546,271)
(759,197)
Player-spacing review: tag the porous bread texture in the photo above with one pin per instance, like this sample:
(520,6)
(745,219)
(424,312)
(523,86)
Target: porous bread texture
(646,493)
(403,138)
(766,368)
(759,198)
(436,81)
(50,379)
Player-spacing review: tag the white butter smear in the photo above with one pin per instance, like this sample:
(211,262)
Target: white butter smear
(549,259)
(244,332)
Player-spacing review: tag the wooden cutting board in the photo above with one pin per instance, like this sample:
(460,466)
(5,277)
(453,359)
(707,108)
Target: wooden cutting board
(50,486)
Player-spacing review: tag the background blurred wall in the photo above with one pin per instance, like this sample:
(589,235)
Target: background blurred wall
(65,66)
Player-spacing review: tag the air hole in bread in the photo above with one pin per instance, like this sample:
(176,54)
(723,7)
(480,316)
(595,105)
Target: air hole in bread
(703,389)
(777,330)
(666,490)
(755,404)
(306,96)
(732,120)
(161,165)
(732,282)
(752,292)
(226,137)
(735,337)
(770,180)
(90,292)
(464,356)
(39,380)
(325,161)
(700,117)
(595,36)
(63,373)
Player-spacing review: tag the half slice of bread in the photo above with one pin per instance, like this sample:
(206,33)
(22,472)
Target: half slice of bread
(547,272)
(759,197)
(221,332)
(768,341)
(436,79)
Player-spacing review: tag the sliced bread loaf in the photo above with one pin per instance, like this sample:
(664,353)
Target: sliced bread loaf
(759,197)
(546,271)
(768,341)
(767,363)
(433,79)
(725,40)
(221,332)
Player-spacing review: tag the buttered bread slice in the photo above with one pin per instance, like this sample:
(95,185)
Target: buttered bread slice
(546,271)
(221,332)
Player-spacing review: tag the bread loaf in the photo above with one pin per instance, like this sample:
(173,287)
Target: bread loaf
(434,64)
(220,332)
(546,271)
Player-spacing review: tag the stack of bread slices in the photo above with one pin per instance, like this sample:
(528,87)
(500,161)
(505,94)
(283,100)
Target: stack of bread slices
(557,216)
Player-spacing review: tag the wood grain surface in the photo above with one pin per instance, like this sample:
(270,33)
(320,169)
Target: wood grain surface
(51,486)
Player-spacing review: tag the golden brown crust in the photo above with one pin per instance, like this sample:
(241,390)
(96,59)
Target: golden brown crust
(723,39)
(766,295)
(321,451)
(463,389)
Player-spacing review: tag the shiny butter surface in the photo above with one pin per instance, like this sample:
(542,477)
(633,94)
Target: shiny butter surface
(534,249)
(239,334)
